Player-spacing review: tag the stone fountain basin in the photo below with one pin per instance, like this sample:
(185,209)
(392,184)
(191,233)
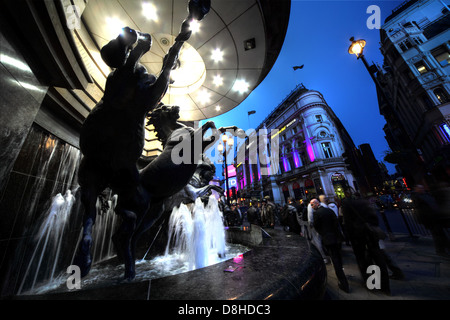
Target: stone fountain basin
(279,266)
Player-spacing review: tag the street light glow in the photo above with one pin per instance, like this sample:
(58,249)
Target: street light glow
(356,47)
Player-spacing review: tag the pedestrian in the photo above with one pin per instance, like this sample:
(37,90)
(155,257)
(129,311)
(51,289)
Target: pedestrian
(267,213)
(252,214)
(362,226)
(290,217)
(323,201)
(315,236)
(232,215)
(333,206)
(304,220)
(429,214)
(326,224)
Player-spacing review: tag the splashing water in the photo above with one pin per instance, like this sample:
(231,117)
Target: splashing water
(43,272)
(199,235)
(49,240)
(196,240)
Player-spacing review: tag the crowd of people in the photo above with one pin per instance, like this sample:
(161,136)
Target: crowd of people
(353,220)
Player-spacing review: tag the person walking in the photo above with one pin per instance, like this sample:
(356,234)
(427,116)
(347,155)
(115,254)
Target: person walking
(289,217)
(326,224)
(430,215)
(267,214)
(252,214)
(362,226)
(315,236)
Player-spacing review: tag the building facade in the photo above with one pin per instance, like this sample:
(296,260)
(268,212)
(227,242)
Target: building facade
(415,89)
(311,141)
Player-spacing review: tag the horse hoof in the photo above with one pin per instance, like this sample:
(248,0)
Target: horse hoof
(130,275)
(84,263)
(83,258)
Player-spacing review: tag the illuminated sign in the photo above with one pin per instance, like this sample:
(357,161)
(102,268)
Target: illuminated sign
(231,171)
(232,182)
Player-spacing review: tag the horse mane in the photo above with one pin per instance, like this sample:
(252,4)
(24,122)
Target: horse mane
(163,117)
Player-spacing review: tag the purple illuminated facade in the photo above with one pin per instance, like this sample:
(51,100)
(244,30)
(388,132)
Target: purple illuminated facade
(311,143)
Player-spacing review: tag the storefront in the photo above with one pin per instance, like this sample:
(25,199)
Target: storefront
(339,183)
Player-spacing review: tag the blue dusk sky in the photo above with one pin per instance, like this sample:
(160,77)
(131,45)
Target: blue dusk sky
(318,37)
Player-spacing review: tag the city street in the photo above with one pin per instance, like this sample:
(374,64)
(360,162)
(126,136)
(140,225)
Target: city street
(427,275)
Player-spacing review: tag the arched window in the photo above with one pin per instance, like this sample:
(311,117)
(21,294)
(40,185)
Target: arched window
(326,147)
(441,95)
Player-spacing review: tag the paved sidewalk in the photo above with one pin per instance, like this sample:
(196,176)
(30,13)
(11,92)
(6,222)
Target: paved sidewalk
(427,275)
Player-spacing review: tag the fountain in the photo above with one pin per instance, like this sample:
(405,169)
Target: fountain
(43,271)
(199,234)
(280,266)
(196,239)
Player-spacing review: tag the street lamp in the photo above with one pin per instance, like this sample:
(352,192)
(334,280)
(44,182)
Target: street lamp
(222,148)
(357,48)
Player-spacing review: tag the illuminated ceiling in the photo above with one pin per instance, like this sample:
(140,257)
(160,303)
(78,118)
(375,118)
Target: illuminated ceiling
(226,57)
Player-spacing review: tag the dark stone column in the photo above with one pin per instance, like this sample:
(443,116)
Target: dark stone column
(21,95)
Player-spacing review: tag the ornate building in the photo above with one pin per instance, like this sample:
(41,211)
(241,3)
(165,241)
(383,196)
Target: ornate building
(312,141)
(415,89)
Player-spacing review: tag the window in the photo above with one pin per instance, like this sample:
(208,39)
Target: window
(405,45)
(326,146)
(443,133)
(408,44)
(319,118)
(441,55)
(441,95)
(418,41)
(421,67)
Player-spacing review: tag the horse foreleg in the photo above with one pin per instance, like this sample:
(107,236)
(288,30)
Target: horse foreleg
(122,242)
(83,259)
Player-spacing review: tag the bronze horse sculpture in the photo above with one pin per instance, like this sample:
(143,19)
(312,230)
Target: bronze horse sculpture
(164,183)
(112,136)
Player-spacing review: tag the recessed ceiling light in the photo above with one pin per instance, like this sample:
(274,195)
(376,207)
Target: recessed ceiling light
(204,97)
(218,108)
(218,80)
(194,26)
(249,44)
(217,55)
(149,11)
(115,26)
(241,86)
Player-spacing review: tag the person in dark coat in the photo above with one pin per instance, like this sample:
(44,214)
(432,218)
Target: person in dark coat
(327,225)
(431,216)
(252,214)
(358,215)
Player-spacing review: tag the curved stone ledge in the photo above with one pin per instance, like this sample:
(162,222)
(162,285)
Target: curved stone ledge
(281,266)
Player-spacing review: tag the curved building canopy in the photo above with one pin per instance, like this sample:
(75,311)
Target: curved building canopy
(228,54)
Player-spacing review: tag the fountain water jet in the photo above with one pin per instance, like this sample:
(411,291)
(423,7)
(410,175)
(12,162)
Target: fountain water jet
(197,234)
(49,238)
